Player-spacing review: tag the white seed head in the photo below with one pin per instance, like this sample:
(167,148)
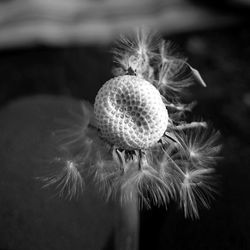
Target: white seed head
(130,113)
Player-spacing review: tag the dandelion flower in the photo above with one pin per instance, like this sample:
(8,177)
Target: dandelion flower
(144,147)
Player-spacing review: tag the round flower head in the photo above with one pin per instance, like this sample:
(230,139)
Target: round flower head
(138,143)
(130,113)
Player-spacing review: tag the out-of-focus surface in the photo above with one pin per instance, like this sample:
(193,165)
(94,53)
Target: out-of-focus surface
(36,218)
(33,217)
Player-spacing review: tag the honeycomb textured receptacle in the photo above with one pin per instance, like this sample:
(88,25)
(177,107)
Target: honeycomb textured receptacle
(130,113)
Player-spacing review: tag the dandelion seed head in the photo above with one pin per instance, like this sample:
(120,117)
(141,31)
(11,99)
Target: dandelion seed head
(141,111)
(139,144)
(130,113)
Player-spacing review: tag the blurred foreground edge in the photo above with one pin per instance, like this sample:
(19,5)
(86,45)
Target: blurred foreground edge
(62,22)
(35,218)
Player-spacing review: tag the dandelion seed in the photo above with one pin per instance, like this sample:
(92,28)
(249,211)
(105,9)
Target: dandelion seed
(105,175)
(197,75)
(175,73)
(135,51)
(75,136)
(180,107)
(168,168)
(202,146)
(146,184)
(196,189)
(190,125)
(65,177)
(174,76)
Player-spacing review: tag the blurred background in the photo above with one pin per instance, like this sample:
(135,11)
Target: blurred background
(62,48)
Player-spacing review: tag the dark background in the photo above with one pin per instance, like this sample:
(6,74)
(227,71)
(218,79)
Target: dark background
(222,55)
